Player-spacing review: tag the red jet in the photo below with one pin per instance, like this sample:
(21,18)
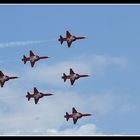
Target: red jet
(33,58)
(75,115)
(37,95)
(4,78)
(73,76)
(69,38)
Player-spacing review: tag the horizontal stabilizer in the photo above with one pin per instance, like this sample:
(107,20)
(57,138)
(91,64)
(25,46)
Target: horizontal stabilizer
(24,59)
(67,116)
(28,96)
(61,39)
(64,77)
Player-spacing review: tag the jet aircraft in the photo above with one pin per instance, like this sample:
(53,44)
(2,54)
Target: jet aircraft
(69,38)
(4,78)
(37,95)
(72,76)
(75,115)
(32,58)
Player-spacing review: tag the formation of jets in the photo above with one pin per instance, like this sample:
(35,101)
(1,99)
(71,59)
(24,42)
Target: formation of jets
(72,77)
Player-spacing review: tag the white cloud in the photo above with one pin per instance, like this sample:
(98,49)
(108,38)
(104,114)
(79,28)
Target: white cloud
(102,60)
(84,130)
(94,64)
(102,103)
(87,129)
(52,73)
(22,117)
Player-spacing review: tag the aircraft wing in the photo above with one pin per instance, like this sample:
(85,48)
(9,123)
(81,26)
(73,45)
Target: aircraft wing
(72,81)
(75,120)
(32,63)
(31,54)
(1,73)
(35,90)
(74,110)
(36,100)
(69,43)
(68,35)
(71,71)
(2,83)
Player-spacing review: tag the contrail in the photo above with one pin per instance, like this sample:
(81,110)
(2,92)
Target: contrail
(23,43)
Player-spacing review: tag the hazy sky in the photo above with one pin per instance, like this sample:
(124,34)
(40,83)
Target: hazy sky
(110,54)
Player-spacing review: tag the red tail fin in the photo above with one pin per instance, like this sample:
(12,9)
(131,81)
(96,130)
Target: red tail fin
(64,77)
(61,39)
(24,59)
(28,96)
(67,116)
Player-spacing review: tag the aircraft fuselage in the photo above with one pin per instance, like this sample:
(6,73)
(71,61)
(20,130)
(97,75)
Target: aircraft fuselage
(4,78)
(38,95)
(76,115)
(74,76)
(70,39)
(33,58)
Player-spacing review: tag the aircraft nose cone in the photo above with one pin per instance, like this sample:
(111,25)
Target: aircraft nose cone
(17,77)
(14,77)
(45,57)
(87,75)
(49,94)
(91,114)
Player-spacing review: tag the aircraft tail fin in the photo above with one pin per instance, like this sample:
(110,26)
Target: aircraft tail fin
(28,96)
(24,59)
(61,39)
(64,77)
(67,116)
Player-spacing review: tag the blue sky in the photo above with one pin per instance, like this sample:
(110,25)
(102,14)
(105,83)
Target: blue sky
(110,54)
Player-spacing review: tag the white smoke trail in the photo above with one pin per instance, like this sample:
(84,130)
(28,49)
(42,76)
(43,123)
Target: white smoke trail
(22,43)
